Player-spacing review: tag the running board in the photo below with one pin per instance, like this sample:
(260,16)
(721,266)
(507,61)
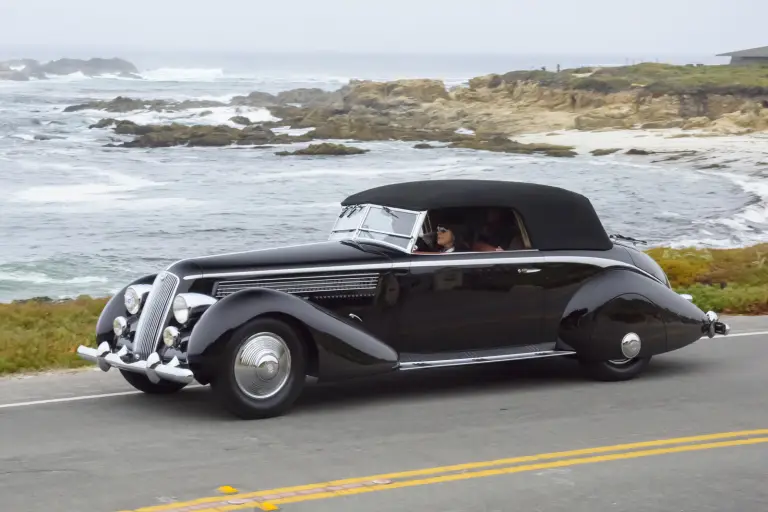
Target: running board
(409,361)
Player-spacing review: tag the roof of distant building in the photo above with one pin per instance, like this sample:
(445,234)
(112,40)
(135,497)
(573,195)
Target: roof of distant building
(752,52)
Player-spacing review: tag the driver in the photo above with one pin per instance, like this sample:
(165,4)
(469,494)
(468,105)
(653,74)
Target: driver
(451,239)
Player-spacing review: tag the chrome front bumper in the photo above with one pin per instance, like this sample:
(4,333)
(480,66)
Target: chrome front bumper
(153,367)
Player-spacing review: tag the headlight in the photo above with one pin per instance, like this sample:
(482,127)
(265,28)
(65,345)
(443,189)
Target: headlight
(119,325)
(187,304)
(170,336)
(180,309)
(134,296)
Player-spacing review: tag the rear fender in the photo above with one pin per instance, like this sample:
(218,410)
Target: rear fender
(620,301)
(343,348)
(116,307)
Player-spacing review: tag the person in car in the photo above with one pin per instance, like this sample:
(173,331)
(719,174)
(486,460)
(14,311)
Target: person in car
(451,239)
(499,233)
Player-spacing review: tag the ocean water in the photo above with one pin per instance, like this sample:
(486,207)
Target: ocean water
(79,218)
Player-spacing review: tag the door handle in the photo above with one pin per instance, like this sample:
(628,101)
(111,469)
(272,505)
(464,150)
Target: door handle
(527,270)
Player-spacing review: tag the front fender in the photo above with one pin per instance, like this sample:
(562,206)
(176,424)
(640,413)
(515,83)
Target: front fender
(344,348)
(116,307)
(619,301)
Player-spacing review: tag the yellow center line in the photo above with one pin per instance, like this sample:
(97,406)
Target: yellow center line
(472,470)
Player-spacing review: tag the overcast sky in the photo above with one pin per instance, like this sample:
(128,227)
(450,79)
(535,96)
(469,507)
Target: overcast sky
(499,26)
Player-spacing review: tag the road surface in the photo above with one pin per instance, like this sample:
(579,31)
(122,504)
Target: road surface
(531,435)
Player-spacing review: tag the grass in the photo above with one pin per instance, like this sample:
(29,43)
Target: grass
(41,335)
(38,335)
(731,281)
(656,78)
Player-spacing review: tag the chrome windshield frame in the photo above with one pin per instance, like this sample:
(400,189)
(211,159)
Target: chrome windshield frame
(354,232)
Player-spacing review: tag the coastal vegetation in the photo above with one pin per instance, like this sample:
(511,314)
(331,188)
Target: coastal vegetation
(40,334)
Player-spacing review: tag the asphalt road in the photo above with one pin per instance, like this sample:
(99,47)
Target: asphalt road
(65,446)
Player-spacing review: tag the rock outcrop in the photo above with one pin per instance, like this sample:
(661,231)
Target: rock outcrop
(160,136)
(26,69)
(716,99)
(325,148)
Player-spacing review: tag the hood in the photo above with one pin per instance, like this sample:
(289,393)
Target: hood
(321,254)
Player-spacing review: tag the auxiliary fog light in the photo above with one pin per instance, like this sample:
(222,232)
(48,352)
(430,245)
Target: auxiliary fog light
(170,336)
(119,325)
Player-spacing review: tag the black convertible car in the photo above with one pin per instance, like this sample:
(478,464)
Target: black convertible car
(415,275)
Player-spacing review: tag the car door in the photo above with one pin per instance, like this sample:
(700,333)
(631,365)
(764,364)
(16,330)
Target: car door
(470,301)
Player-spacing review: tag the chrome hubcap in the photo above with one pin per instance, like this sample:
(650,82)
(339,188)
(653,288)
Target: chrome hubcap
(262,365)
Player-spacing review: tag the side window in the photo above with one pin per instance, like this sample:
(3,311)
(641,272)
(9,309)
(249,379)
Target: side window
(502,229)
(475,230)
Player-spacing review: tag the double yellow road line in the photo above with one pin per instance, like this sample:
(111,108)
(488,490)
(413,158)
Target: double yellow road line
(271,499)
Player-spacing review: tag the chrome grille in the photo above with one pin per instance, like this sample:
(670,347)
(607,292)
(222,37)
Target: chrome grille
(154,313)
(357,283)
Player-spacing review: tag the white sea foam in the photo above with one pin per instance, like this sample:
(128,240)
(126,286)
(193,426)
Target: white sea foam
(206,116)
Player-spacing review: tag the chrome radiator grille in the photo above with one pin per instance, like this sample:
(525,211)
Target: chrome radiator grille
(356,284)
(154,313)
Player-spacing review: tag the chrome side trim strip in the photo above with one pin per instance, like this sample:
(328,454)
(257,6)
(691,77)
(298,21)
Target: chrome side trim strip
(434,262)
(419,365)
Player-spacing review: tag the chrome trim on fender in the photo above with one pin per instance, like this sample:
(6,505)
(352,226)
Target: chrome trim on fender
(153,367)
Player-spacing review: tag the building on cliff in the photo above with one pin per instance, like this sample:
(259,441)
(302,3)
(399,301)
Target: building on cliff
(751,56)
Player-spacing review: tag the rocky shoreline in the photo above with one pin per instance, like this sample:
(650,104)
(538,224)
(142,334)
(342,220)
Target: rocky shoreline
(486,114)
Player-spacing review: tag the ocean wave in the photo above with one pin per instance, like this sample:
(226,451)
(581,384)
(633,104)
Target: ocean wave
(120,187)
(41,278)
(183,75)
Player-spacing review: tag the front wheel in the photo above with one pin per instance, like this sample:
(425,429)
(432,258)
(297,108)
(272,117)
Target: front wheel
(262,370)
(618,370)
(142,383)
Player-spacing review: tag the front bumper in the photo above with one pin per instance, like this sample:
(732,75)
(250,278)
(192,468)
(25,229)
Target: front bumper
(153,367)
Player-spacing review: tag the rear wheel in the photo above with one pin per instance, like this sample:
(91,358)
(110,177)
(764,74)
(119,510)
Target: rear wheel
(616,370)
(262,370)
(142,383)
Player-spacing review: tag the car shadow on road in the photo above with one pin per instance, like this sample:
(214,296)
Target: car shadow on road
(550,375)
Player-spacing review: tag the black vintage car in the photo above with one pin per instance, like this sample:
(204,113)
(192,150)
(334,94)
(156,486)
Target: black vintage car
(415,275)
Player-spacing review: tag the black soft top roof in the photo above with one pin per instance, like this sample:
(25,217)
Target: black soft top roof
(556,218)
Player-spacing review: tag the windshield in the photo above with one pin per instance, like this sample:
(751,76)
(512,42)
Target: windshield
(390,225)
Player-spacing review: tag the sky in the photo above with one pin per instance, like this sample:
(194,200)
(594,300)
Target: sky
(647,27)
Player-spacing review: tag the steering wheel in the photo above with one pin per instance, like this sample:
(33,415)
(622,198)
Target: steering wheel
(426,242)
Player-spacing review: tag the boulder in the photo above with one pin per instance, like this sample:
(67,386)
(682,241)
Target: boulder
(505,145)
(325,148)
(241,120)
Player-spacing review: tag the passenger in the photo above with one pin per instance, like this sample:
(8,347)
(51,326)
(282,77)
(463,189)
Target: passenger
(499,233)
(451,239)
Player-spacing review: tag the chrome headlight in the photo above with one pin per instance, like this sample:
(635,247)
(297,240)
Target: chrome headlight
(119,325)
(134,296)
(185,304)
(170,336)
